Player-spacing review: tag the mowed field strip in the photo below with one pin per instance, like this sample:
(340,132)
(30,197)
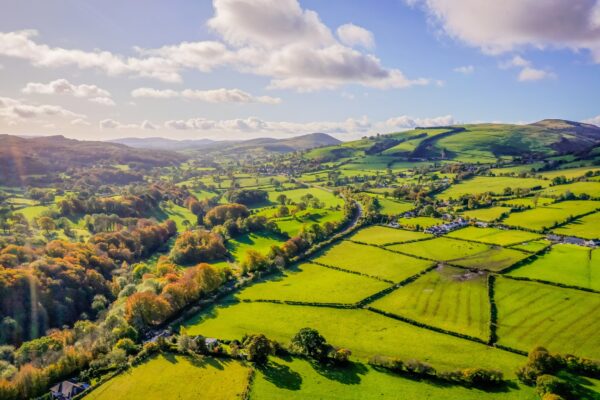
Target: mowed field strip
(372,261)
(463,253)
(534,314)
(315,283)
(448,298)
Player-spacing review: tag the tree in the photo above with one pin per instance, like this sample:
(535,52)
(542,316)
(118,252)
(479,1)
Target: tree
(254,261)
(46,223)
(309,342)
(258,348)
(145,309)
(282,199)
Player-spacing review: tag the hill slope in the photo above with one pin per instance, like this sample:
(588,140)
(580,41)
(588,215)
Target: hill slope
(160,143)
(20,157)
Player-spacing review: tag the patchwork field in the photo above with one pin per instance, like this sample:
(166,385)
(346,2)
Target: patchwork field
(381,235)
(419,222)
(372,261)
(391,207)
(463,253)
(448,298)
(486,214)
(577,188)
(493,235)
(295,195)
(587,227)
(296,379)
(496,185)
(364,332)
(532,247)
(546,217)
(259,241)
(161,378)
(566,264)
(532,314)
(315,283)
(530,202)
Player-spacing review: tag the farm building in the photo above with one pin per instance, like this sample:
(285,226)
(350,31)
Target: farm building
(66,390)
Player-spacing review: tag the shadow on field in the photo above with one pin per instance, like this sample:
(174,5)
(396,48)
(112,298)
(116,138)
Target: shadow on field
(348,374)
(281,375)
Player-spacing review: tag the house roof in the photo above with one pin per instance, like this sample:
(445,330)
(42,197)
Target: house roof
(68,388)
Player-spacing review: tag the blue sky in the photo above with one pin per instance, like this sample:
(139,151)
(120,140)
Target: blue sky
(235,69)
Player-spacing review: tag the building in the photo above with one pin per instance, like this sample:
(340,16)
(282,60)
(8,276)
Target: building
(66,390)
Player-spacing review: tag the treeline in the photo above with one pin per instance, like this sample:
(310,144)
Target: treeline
(64,282)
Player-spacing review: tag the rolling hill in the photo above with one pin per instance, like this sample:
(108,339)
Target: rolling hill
(21,157)
(474,142)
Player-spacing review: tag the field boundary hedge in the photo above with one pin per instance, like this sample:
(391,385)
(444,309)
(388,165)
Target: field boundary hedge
(352,272)
(556,284)
(491,280)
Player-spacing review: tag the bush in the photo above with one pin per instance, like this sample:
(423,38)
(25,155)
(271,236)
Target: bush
(548,384)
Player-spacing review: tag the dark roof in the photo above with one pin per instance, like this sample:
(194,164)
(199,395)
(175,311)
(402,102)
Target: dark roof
(67,389)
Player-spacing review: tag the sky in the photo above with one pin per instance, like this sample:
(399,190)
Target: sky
(241,69)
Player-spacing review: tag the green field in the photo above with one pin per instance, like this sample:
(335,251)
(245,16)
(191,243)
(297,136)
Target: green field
(381,235)
(315,283)
(364,332)
(33,212)
(259,241)
(484,184)
(534,314)
(295,195)
(570,173)
(577,188)
(297,379)
(587,227)
(486,214)
(528,202)
(494,236)
(546,217)
(293,224)
(567,264)
(421,222)
(533,247)
(177,377)
(178,214)
(448,298)
(392,207)
(463,253)
(372,261)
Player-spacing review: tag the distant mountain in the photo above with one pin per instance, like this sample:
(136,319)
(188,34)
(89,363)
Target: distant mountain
(163,143)
(21,157)
(474,142)
(303,142)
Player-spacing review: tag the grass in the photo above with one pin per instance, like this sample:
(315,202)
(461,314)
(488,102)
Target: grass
(381,235)
(297,379)
(177,377)
(532,314)
(528,202)
(587,227)
(485,184)
(364,332)
(259,241)
(570,173)
(372,261)
(448,298)
(295,195)
(546,217)
(293,224)
(178,214)
(494,236)
(392,207)
(421,222)
(314,283)
(533,247)
(486,214)
(577,188)
(567,264)
(462,253)
(33,212)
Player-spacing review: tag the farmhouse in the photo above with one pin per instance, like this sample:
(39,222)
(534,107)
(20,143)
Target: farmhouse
(66,390)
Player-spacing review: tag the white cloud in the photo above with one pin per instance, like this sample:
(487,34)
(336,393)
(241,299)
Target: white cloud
(353,35)
(20,44)
(105,101)
(528,72)
(405,122)
(533,74)
(210,96)
(465,69)
(148,125)
(503,26)
(112,124)
(14,110)
(80,122)
(63,86)
(594,120)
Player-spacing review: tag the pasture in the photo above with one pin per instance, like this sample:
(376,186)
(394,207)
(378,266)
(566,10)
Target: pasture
(532,247)
(493,236)
(587,227)
(297,379)
(315,283)
(364,332)
(462,253)
(259,241)
(295,195)
(567,264)
(419,222)
(448,298)
(162,377)
(534,314)
(372,261)
(570,173)
(543,218)
(528,202)
(382,235)
(489,214)
(485,184)
(577,188)
(393,207)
